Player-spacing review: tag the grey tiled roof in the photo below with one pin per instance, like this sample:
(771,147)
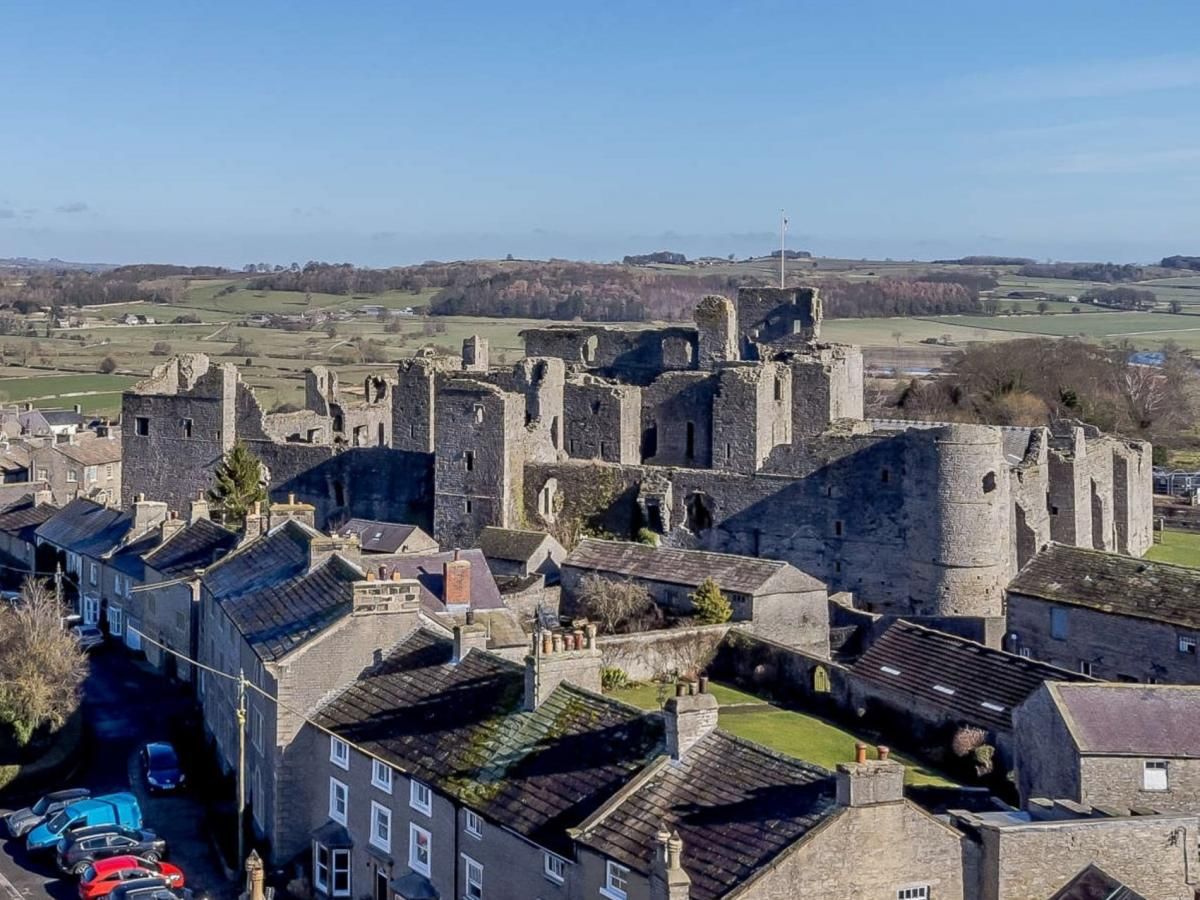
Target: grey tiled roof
(510,543)
(378,537)
(426,568)
(462,728)
(87,528)
(736,806)
(274,620)
(1093,883)
(23,519)
(196,546)
(1109,582)
(957,675)
(265,562)
(1138,719)
(743,574)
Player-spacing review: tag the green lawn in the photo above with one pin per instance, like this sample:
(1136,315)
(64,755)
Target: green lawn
(796,734)
(68,389)
(1179,547)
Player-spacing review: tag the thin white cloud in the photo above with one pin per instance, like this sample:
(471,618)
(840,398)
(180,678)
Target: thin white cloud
(1102,78)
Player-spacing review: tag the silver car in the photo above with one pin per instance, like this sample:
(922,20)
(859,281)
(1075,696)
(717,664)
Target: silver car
(89,636)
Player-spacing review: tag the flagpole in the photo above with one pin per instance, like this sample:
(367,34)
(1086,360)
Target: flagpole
(782,252)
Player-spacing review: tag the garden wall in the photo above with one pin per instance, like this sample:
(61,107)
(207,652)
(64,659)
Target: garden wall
(650,654)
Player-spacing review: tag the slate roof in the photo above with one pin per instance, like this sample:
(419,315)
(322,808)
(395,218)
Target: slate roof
(196,546)
(463,729)
(743,574)
(426,568)
(276,619)
(86,527)
(1111,583)
(735,804)
(23,518)
(925,664)
(92,450)
(56,417)
(277,556)
(1136,719)
(1093,883)
(378,537)
(128,560)
(14,458)
(510,543)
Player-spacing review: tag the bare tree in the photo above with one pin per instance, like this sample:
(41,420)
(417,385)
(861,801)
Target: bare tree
(41,664)
(613,603)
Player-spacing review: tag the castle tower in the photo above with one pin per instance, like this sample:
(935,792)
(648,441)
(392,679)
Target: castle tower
(716,322)
(475,354)
(957,505)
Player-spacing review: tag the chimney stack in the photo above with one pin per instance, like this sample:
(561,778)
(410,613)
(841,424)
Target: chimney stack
(456,583)
(254,523)
(554,661)
(146,515)
(198,509)
(668,880)
(378,595)
(688,718)
(170,527)
(870,782)
(301,512)
(467,638)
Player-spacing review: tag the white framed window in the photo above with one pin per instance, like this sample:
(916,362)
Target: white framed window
(256,729)
(1187,644)
(72,476)
(93,573)
(339,753)
(616,881)
(381,827)
(473,824)
(339,801)
(108,471)
(554,868)
(420,849)
(420,797)
(73,563)
(474,879)
(1025,652)
(1085,667)
(381,776)
(1154,775)
(913,892)
(90,473)
(201,682)
(116,621)
(321,867)
(91,610)
(341,873)
(331,871)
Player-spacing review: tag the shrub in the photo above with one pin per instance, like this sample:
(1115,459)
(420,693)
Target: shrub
(160,348)
(712,607)
(984,756)
(613,603)
(107,366)
(967,739)
(613,677)
(646,536)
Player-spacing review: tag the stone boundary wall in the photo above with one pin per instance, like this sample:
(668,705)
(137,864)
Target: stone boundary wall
(645,656)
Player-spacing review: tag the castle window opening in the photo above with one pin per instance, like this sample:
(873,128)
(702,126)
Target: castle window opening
(339,494)
(690,449)
(360,435)
(595,407)
(338,423)
(989,482)
(603,448)
(469,460)
(467,506)
(589,349)
(314,435)
(554,441)
(699,512)
(412,429)
(778,389)
(381,438)
(187,428)
(650,442)
(478,414)
(141,426)
(885,476)
(571,446)
(837,528)
(728,452)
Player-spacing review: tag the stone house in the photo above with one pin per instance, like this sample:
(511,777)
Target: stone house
(1111,745)
(519,553)
(1062,850)
(532,785)
(19,523)
(928,684)
(388,537)
(295,612)
(82,538)
(1118,618)
(778,600)
(84,464)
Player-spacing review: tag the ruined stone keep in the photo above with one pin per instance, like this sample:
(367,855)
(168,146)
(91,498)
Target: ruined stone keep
(743,434)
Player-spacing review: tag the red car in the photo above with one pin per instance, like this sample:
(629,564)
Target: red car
(105,874)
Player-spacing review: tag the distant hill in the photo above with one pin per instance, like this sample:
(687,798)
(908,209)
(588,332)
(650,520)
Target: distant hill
(51,265)
(662,257)
(1181,262)
(984,261)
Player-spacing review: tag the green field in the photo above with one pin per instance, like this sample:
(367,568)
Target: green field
(1179,547)
(796,734)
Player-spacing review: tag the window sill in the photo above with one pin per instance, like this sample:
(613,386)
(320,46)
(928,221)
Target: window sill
(613,895)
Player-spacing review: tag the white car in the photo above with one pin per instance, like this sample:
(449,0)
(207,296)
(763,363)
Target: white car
(89,636)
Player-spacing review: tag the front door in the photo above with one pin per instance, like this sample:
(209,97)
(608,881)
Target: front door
(381,884)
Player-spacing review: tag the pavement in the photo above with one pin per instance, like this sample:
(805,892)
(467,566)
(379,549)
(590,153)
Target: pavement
(125,706)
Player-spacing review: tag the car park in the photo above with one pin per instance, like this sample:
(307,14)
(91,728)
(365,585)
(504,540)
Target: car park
(84,847)
(20,822)
(111,809)
(160,763)
(103,875)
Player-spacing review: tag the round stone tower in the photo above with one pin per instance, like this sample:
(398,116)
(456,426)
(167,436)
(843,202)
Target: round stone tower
(957,510)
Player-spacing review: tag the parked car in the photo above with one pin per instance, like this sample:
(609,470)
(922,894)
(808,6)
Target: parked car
(111,809)
(160,763)
(21,821)
(105,874)
(151,889)
(81,848)
(89,636)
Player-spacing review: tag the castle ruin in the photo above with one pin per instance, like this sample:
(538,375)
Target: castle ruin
(743,434)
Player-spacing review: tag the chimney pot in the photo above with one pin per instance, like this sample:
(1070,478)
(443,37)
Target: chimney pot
(703,684)
(139,498)
(590,631)
(546,644)
(291,499)
(860,752)
(556,642)
(470,617)
(680,689)
(383,573)
(884,751)
(370,576)
(396,577)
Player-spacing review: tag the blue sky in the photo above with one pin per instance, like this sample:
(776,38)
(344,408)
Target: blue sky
(391,132)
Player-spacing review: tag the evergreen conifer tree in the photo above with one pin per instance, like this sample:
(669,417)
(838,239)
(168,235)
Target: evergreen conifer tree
(239,485)
(712,607)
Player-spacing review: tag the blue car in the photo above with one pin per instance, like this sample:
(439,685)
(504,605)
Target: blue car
(112,809)
(160,763)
